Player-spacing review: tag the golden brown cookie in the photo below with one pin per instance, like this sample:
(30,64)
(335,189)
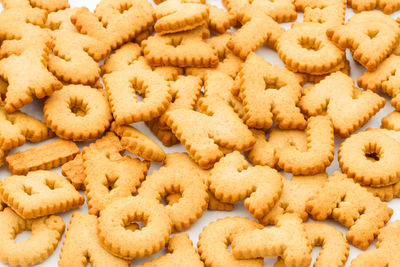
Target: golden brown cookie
(46,233)
(351,205)
(39,193)
(82,245)
(215,238)
(335,92)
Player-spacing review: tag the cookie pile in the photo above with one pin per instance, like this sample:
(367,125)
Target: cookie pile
(177,67)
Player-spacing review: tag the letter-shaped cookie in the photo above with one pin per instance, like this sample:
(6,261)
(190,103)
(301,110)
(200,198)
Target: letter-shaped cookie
(82,245)
(351,205)
(10,135)
(39,193)
(122,87)
(279,10)
(75,55)
(229,63)
(327,12)
(178,15)
(306,48)
(385,77)
(24,54)
(335,92)
(112,27)
(387,6)
(232,180)
(220,20)
(110,176)
(182,49)
(371,158)
(181,252)
(287,239)
(215,238)
(46,233)
(334,247)
(50,6)
(391,121)
(385,253)
(370,35)
(115,233)
(77,112)
(217,125)
(43,157)
(269,91)
(297,152)
(178,175)
(294,196)
(257,29)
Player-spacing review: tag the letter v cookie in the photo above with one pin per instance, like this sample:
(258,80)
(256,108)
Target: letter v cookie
(287,239)
(370,35)
(386,248)
(231,180)
(39,193)
(82,245)
(351,205)
(181,252)
(268,92)
(110,176)
(335,92)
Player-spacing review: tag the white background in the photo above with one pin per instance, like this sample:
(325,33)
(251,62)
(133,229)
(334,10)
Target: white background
(35,109)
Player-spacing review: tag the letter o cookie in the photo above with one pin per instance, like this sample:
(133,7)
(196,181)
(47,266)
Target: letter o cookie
(371,158)
(127,244)
(77,112)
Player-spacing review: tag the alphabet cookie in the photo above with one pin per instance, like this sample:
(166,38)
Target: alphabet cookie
(232,180)
(351,205)
(215,238)
(297,152)
(77,112)
(287,240)
(334,92)
(257,29)
(178,175)
(110,176)
(268,92)
(39,193)
(335,249)
(178,16)
(123,242)
(383,254)
(371,158)
(306,48)
(387,6)
(326,12)
(181,253)
(46,233)
(43,157)
(294,196)
(182,49)
(370,35)
(82,245)
(24,57)
(220,127)
(385,77)
(391,121)
(50,6)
